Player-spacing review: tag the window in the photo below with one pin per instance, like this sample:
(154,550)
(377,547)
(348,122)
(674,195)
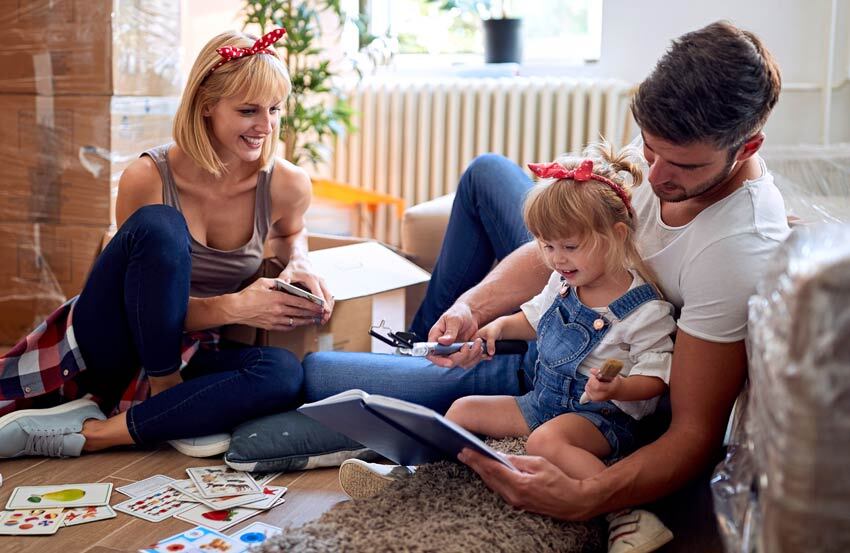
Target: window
(553,31)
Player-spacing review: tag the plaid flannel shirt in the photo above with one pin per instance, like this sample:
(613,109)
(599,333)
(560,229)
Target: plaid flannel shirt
(49,359)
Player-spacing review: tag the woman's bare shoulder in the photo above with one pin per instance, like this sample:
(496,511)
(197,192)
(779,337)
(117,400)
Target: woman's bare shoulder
(139,185)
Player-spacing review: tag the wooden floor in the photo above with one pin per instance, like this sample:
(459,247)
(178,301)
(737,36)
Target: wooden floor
(310,494)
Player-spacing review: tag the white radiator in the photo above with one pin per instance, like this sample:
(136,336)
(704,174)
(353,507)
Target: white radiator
(415,138)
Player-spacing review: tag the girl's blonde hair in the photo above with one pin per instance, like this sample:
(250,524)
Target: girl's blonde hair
(588,210)
(258,79)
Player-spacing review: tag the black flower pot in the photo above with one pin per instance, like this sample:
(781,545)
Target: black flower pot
(502,40)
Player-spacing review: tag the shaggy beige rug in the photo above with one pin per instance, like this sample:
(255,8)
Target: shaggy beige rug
(443,507)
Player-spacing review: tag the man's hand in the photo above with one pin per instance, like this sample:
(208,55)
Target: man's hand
(539,486)
(458,324)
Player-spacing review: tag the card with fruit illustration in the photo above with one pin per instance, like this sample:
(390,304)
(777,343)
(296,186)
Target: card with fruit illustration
(59,495)
(217,520)
(31,522)
(156,506)
(82,515)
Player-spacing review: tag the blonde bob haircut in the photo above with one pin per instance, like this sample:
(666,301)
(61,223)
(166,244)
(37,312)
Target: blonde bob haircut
(258,79)
(557,209)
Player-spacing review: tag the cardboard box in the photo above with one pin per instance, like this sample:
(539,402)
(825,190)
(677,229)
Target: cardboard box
(43,265)
(370,283)
(62,156)
(61,47)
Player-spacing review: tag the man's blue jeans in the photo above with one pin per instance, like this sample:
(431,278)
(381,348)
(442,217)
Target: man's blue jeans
(131,313)
(485,226)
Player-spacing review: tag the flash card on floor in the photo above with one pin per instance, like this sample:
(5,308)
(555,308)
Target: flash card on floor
(217,520)
(156,506)
(257,532)
(272,494)
(221,481)
(81,515)
(187,488)
(263,479)
(198,539)
(59,495)
(30,522)
(146,486)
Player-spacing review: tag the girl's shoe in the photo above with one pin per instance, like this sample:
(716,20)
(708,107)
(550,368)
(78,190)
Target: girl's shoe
(636,531)
(362,480)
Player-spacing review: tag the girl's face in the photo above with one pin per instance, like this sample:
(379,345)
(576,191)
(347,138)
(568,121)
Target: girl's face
(239,129)
(574,260)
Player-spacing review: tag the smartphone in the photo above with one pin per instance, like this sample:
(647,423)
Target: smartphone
(298,289)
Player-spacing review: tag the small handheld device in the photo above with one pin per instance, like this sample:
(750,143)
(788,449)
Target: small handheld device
(408,343)
(297,289)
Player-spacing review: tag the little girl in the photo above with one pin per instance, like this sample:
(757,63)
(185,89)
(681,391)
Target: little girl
(599,304)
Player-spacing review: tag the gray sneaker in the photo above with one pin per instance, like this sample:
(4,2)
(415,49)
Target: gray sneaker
(53,432)
(362,480)
(205,446)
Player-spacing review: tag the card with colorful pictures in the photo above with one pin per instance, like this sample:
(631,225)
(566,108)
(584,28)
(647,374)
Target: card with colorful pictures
(157,505)
(196,540)
(82,515)
(272,494)
(217,520)
(222,481)
(255,533)
(59,495)
(146,486)
(188,488)
(30,522)
(264,478)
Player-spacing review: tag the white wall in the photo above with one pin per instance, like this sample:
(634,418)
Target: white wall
(636,33)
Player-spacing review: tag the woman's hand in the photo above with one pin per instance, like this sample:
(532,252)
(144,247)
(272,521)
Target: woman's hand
(600,390)
(260,305)
(316,284)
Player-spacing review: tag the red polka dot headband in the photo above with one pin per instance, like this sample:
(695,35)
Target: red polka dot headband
(228,53)
(583,173)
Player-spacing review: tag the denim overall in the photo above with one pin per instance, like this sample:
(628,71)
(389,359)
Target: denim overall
(566,334)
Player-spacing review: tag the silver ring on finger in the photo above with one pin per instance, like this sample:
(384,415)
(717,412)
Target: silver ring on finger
(291,321)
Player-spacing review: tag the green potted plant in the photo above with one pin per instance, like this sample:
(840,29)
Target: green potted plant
(502,34)
(315,109)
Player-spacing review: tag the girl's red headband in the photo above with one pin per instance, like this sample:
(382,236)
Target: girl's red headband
(583,173)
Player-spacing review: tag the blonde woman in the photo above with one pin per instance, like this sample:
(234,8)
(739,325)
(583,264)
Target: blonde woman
(194,216)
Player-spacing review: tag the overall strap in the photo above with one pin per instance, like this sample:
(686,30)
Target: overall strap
(631,300)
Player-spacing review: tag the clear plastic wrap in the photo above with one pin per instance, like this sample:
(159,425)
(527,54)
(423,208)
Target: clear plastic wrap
(785,482)
(60,47)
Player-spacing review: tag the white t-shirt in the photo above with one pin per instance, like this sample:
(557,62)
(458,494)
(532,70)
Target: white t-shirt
(641,340)
(708,268)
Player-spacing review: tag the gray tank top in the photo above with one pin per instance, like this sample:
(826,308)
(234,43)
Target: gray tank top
(216,272)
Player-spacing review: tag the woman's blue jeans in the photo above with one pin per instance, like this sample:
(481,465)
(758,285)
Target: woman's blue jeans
(131,313)
(485,226)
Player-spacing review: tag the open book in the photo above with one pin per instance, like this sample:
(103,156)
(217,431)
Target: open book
(401,431)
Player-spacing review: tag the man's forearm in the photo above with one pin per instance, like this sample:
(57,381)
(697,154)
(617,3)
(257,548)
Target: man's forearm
(514,280)
(652,472)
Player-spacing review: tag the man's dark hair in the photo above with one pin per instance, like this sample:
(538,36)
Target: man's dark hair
(715,85)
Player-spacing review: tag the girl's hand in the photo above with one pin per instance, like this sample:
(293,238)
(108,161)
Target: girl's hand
(261,306)
(476,352)
(314,283)
(597,390)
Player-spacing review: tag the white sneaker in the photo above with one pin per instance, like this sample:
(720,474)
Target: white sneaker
(362,480)
(53,432)
(636,531)
(204,446)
